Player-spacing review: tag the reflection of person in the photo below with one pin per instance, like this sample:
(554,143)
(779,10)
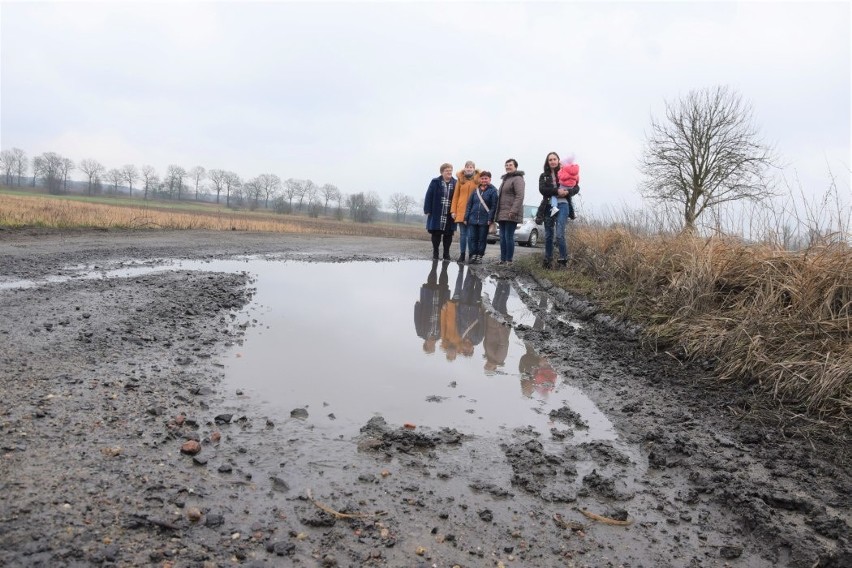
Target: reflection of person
(467,180)
(427,310)
(436,207)
(554,226)
(495,343)
(479,216)
(510,209)
(450,339)
(501,295)
(537,376)
(469,314)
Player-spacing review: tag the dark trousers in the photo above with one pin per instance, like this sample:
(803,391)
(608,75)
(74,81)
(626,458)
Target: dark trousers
(477,236)
(447,238)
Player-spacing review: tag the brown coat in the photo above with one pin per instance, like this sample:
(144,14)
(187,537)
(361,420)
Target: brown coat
(510,206)
(464,189)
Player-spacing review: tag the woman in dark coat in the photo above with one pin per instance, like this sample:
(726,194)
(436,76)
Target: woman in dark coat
(554,226)
(436,207)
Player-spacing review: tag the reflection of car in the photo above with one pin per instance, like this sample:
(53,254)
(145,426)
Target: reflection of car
(528,233)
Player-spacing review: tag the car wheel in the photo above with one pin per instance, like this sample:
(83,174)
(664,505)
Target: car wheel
(533,238)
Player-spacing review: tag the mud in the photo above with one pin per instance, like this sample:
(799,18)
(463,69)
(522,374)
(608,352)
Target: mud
(110,386)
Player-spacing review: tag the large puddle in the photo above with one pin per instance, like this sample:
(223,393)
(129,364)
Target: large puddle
(419,342)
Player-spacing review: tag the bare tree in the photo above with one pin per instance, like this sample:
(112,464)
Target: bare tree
(174,178)
(252,189)
(51,168)
(93,170)
(292,188)
(329,192)
(197,175)
(217,177)
(363,207)
(309,192)
(67,166)
(706,152)
(21,163)
(7,161)
(232,182)
(131,174)
(401,204)
(149,178)
(116,176)
(38,166)
(269,184)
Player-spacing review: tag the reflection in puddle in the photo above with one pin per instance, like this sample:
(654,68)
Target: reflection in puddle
(336,340)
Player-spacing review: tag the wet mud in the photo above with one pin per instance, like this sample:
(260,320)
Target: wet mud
(120,446)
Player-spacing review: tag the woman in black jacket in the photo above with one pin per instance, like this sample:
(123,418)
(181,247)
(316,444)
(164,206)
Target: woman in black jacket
(554,225)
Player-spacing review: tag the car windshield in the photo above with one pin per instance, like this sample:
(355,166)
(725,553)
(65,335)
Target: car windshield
(530,210)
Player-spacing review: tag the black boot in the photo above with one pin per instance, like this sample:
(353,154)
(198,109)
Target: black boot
(548,263)
(563,262)
(461,259)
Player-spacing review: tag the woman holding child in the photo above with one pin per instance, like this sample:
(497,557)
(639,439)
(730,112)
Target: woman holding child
(554,225)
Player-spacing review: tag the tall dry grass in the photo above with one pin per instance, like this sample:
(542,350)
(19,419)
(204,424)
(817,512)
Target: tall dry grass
(780,319)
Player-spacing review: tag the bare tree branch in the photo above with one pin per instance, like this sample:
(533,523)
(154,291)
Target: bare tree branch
(705,153)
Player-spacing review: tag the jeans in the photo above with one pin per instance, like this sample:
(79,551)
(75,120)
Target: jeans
(507,240)
(464,238)
(477,235)
(560,221)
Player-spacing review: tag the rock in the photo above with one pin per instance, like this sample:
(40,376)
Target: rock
(299,413)
(193,514)
(729,552)
(223,419)
(190,447)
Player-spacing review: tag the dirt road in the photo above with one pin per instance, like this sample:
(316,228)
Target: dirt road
(110,385)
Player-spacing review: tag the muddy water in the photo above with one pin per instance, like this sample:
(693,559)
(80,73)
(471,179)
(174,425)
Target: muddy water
(420,342)
(349,341)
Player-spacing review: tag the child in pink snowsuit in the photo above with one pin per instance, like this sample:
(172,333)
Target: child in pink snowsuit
(569,178)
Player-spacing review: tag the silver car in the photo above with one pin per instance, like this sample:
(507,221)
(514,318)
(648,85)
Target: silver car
(528,233)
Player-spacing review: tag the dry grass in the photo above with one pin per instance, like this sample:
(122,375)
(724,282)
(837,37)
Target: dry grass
(63,213)
(780,319)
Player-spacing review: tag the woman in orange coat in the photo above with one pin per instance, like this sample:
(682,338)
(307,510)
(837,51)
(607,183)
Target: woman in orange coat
(468,179)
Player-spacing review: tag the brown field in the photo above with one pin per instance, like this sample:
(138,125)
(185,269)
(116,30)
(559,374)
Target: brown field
(22,210)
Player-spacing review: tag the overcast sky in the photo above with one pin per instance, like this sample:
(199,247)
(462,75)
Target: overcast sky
(375,96)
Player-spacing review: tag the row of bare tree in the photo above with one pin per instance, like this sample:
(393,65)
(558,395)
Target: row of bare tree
(266,191)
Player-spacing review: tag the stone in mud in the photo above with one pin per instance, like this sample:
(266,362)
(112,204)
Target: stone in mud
(279,484)
(223,419)
(190,447)
(568,416)
(299,413)
(281,548)
(729,552)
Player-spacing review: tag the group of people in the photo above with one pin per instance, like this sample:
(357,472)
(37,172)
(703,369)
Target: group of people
(470,203)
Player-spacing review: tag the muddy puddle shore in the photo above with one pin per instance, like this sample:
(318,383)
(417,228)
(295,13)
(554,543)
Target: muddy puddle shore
(111,385)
